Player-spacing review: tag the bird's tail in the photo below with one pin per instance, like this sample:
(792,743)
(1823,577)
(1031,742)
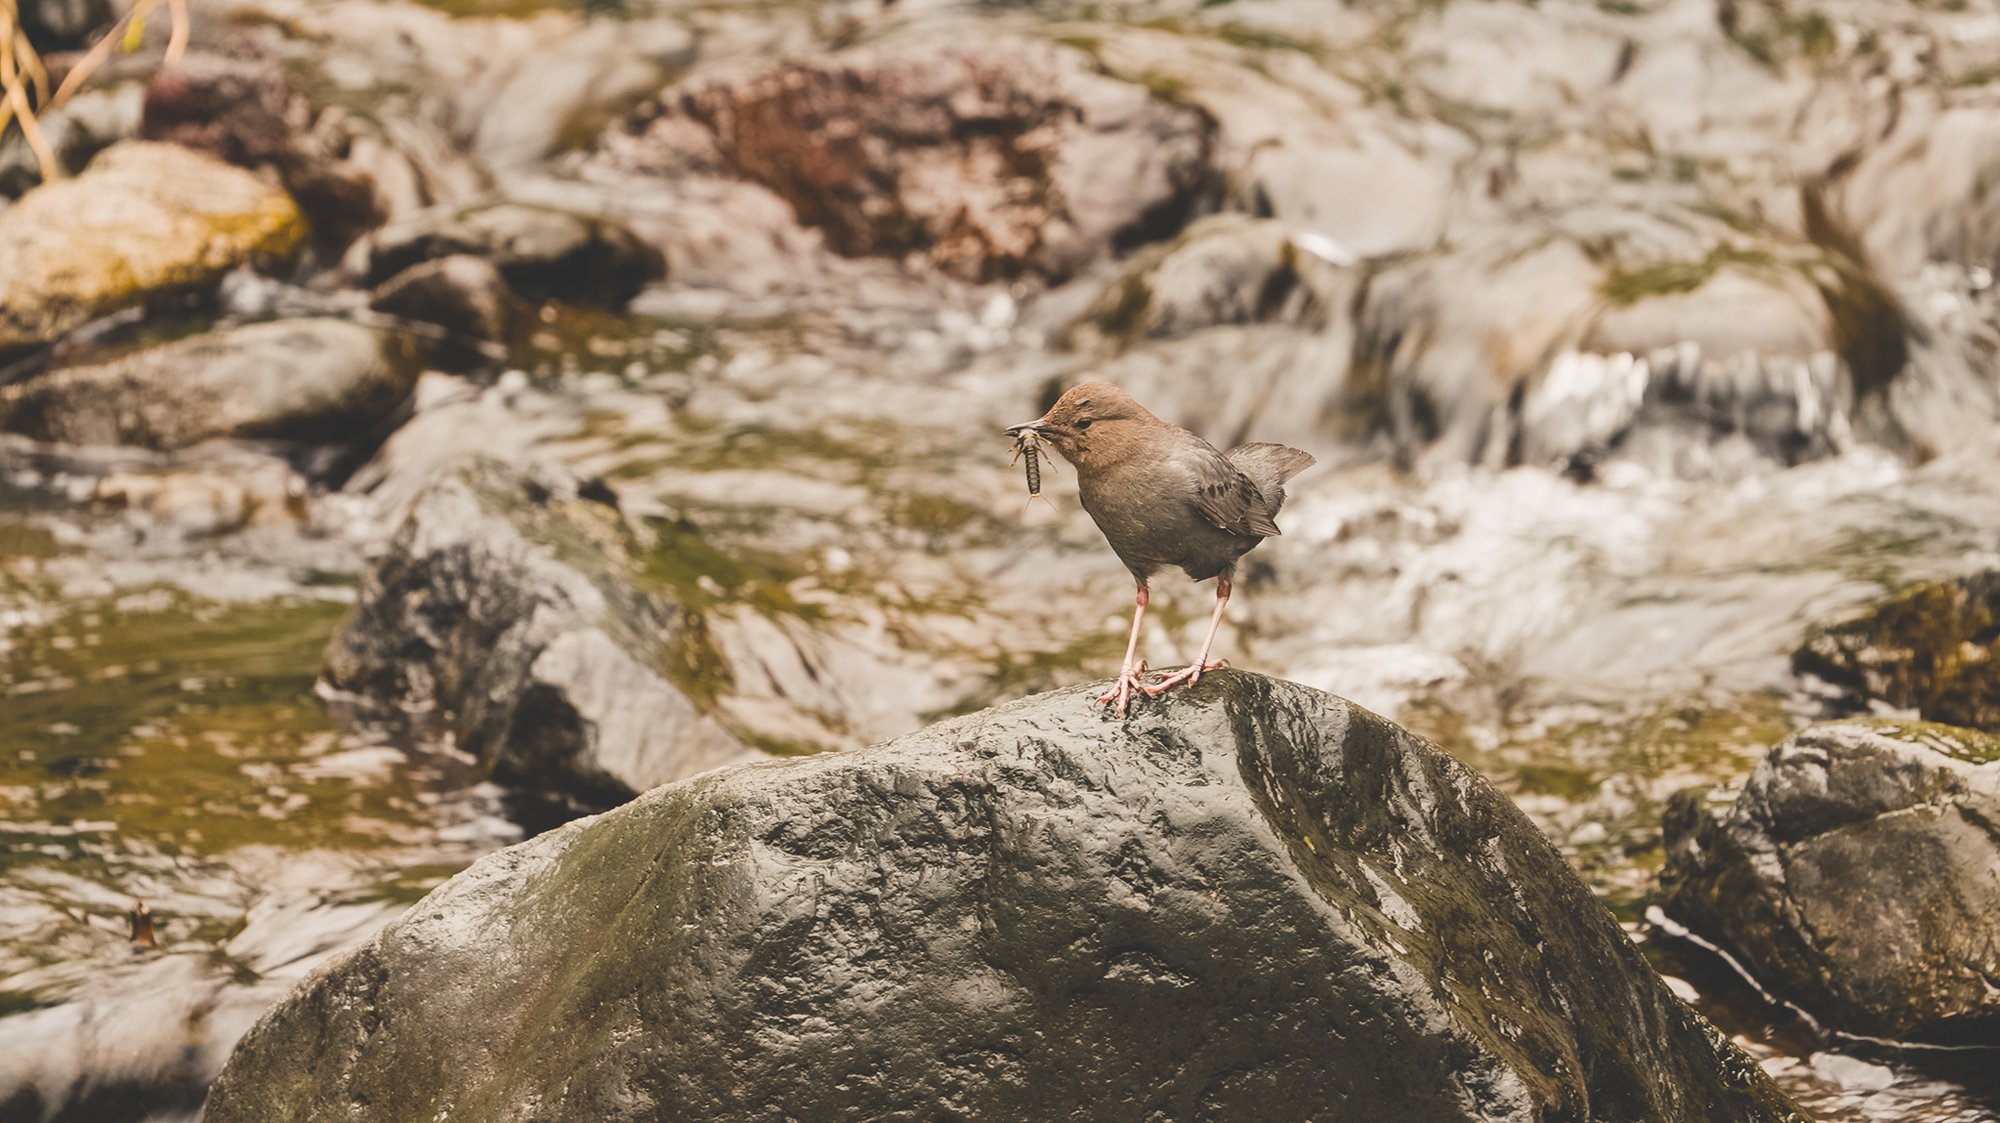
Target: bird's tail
(1269,466)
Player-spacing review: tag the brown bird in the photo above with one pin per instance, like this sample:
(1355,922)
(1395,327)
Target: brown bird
(1165,497)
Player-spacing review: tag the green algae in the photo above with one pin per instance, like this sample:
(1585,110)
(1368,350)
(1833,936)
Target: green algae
(1674,278)
(700,575)
(1957,742)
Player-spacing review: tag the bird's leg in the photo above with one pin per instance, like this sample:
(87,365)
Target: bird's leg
(1130,676)
(1192,673)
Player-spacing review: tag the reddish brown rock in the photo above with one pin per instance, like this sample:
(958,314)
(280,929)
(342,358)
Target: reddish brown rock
(1012,157)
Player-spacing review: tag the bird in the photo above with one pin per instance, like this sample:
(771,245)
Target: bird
(1164,497)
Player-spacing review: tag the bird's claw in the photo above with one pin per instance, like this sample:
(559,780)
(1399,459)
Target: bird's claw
(1120,694)
(1187,676)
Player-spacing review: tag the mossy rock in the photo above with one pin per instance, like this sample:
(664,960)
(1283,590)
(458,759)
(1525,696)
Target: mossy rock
(1854,876)
(144,220)
(1933,648)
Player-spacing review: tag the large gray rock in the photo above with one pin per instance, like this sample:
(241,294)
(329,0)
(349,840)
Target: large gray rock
(145,220)
(988,159)
(315,379)
(1933,648)
(1253,901)
(517,607)
(1855,876)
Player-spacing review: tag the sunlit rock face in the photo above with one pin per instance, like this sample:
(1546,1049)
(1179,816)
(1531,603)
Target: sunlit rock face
(1854,875)
(1252,901)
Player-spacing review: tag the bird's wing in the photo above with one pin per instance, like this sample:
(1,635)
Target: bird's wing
(1227,498)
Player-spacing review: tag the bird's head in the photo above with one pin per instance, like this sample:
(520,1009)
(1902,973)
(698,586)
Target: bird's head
(1091,424)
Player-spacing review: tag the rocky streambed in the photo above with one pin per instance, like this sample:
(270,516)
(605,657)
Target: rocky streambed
(433,422)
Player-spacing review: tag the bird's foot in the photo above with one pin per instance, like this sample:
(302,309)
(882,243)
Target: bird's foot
(1120,695)
(1187,676)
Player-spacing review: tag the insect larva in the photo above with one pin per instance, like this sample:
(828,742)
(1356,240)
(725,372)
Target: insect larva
(1028,444)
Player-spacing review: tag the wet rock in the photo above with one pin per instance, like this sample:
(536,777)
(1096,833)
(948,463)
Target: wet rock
(1854,876)
(465,295)
(1226,269)
(306,379)
(1254,901)
(543,252)
(1006,158)
(145,220)
(1933,648)
(513,604)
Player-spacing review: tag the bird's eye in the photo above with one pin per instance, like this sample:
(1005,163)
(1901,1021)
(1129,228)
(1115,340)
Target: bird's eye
(1083,424)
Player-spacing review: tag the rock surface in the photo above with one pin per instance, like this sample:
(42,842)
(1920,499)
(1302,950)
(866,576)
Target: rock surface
(1933,648)
(307,378)
(1225,269)
(465,295)
(542,251)
(1854,875)
(1012,156)
(145,219)
(1256,902)
(512,604)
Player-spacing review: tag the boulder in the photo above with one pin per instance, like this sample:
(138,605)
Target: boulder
(1854,876)
(993,159)
(542,251)
(516,607)
(144,220)
(1933,648)
(311,379)
(1251,901)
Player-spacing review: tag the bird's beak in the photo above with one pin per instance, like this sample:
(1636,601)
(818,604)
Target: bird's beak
(1036,426)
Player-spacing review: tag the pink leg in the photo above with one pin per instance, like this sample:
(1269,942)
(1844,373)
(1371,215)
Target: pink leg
(1130,677)
(1192,674)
